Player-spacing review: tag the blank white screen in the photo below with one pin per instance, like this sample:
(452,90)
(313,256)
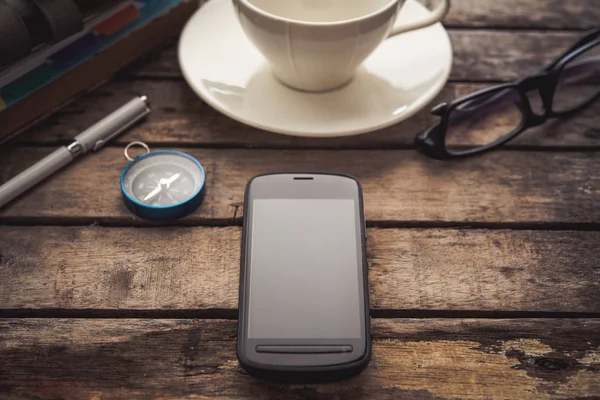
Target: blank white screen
(304,266)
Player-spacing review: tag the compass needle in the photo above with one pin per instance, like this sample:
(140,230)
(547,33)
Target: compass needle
(173,179)
(152,193)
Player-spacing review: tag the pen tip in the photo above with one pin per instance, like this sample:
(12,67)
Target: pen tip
(145,100)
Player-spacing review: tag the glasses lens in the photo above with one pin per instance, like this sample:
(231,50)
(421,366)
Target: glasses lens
(579,81)
(483,120)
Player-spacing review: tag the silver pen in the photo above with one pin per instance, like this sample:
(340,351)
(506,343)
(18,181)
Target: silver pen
(91,139)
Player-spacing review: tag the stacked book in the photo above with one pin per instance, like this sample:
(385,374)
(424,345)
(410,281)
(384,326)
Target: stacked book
(51,50)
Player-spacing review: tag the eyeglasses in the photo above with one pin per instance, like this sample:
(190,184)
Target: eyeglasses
(491,117)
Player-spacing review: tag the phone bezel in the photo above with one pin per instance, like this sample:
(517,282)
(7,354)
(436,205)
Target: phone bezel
(321,186)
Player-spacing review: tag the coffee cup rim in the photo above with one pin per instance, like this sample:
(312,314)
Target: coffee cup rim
(266,14)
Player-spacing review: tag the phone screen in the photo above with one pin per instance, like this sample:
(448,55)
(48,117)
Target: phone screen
(305,261)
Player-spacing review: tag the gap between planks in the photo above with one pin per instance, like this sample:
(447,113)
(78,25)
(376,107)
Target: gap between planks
(231,314)
(358,147)
(237,221)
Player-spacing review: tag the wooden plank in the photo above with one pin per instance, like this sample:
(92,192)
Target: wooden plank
(479,55)
(180,117)
(505,56)
(400,186)
(536,14)
(412,359)
(137,269)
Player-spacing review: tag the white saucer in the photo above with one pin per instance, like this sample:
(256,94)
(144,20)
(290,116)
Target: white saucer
(403,75)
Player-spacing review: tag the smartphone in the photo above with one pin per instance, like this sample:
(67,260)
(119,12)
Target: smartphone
(304,297)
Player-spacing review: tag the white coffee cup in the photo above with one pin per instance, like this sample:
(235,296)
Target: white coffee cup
(317,45)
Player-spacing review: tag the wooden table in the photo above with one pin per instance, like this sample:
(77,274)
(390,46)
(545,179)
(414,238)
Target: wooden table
(484,273)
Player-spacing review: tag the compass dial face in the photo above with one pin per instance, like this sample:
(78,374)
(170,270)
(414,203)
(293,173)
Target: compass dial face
(163,179)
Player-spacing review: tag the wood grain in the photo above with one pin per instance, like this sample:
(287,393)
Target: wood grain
(400,186)
(412,359)
(544,14)
(479,55)
(179,117)
(88,271)
(198,268)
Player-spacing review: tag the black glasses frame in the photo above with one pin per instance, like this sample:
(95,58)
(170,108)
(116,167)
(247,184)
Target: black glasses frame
(433,141)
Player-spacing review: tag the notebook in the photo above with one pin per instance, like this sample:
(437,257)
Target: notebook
(111,38)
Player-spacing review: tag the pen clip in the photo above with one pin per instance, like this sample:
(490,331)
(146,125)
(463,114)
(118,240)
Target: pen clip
(114,124)
(103,141)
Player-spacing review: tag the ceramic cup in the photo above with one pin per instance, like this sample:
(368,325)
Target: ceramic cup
(317,45)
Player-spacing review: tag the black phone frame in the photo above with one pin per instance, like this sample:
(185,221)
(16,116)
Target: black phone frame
(358,359)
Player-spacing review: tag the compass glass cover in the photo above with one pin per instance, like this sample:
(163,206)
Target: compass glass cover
(163,180)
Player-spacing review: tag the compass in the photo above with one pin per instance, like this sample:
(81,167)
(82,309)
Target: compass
(162,185)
